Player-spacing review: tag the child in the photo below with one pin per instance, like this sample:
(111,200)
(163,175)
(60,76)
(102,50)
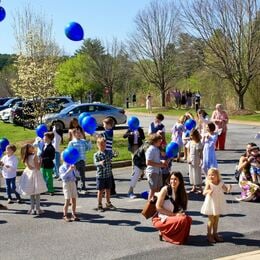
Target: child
(255,165)
(157,125)
(47,157)
(214,203)
(82,146)
(69,174)
(139,166)
(102,159)
(154,164)
(31,181)
(9,164)
(108,125)
(195,160)
(56,144)
(177,131)
(209,154)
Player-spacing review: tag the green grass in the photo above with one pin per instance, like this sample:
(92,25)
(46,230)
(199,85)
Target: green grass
(180,112)
(19,136)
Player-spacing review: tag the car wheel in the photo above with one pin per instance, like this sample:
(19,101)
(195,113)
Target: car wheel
(114,121)
(59,125)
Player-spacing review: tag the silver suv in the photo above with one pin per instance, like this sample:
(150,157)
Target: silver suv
(98,110)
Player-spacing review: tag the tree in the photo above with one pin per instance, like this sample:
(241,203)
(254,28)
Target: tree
(37,59)
(153,44)
(73,77)
(231,33)
(108,63)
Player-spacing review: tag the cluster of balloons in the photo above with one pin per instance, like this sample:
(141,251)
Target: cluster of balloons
(40,130)
(2,13)
(3,143)
(74,31)
(133,123)
(172,150)
(88,123)
(70,155)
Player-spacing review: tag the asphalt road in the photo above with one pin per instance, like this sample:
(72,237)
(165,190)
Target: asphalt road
(124,233)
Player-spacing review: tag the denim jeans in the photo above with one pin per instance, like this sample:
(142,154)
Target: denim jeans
(81,167)
(56,164)
(11,188)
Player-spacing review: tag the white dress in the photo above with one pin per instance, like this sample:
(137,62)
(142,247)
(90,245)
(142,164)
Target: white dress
(31,181)
(215,204)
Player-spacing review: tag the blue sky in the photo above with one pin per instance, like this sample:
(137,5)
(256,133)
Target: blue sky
(103,19)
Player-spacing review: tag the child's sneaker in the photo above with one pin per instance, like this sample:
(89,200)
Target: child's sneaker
(109,205)
(9,201)
(131,195)
(100,208)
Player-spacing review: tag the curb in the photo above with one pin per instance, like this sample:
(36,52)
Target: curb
(92,167)
(244,256)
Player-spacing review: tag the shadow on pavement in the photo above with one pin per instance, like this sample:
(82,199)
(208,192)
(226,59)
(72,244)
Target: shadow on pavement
(118,222)
(145,229)
(199,240)
(3,222)
(127,210)
(239,239)
(234,215)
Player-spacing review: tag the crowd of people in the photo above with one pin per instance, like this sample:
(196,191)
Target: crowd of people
(196,147)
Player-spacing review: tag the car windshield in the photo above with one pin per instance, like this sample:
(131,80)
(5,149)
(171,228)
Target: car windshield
(67,109)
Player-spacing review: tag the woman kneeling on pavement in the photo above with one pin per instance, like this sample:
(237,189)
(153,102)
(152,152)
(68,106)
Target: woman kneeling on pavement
(171,221)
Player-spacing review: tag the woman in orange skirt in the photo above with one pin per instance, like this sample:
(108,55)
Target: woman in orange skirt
(171,221)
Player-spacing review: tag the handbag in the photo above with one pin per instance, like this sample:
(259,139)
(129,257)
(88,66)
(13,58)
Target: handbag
(149,209)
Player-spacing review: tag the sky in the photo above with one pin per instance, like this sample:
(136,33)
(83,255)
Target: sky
(102,19)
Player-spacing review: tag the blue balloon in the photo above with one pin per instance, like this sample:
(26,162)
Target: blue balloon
(190,124)
(41,129)
(172,149)
(187,133)
(74,31)
(3,143)
(89,124)
(2,13)
(145,195)
(71,155)
(81,117)
(133,123)
(1,153)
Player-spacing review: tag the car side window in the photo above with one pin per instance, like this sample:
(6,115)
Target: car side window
(101,108)
(91,108)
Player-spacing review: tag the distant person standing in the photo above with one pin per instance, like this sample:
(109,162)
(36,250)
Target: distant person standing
(197,101)
(220,118)
(127,102)
(134,99)
(149,103)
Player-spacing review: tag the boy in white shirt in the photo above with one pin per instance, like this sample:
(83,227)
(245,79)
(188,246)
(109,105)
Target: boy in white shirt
(9,164)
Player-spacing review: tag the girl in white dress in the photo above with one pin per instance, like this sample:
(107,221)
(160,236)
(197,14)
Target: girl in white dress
(31,181)
(214,204)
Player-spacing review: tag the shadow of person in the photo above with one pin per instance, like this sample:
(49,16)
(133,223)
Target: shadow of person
(145,229)
(115,222)
(3,222)
(239,239)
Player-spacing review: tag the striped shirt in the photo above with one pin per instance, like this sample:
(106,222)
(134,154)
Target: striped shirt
(82,146)
(105,170)
(108,135)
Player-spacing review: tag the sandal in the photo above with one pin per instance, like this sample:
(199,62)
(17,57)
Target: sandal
(211,239)
(66,218)
(75,218)
(218,238)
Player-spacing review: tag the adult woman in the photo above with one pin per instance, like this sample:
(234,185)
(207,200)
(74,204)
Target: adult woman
(149,103)
(203,120)
(171,221)
(74,123)
(220,118)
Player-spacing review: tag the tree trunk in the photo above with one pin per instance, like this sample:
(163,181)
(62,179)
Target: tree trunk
(163,98)
(110,95)
(241,104)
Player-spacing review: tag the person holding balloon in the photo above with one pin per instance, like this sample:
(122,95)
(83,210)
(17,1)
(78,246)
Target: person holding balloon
(31,182)
(82,146)
(69,174)
(47,157)
(74,123)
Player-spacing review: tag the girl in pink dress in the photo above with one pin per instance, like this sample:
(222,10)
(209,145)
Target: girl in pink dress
(214,204)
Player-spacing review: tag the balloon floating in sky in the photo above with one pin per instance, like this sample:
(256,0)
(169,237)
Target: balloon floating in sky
(74,31)
(2,13)
(41,129)
(189,124)
(172,150)
(3,143)
(89,124)
(133,123)
(71,155)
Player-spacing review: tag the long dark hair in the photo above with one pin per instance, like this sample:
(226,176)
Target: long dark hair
(181,197)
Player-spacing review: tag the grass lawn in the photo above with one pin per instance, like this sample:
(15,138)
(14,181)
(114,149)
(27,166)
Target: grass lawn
(180,112)
(19,136)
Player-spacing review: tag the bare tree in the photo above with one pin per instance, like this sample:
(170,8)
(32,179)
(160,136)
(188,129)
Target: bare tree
(230,30)
(152,43)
